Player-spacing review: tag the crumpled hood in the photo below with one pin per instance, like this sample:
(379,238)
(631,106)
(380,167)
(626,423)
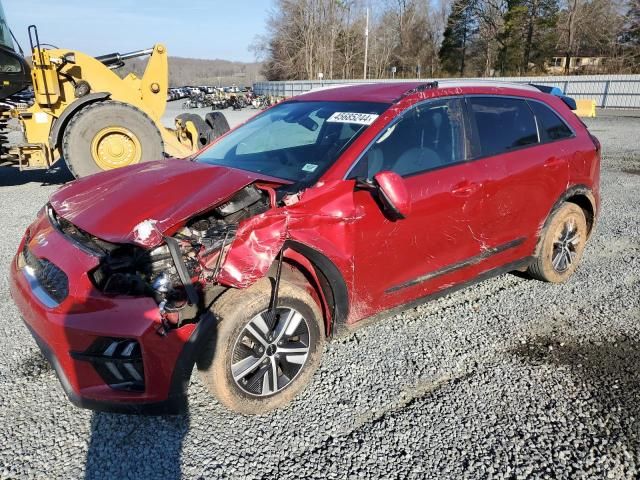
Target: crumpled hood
(111,205)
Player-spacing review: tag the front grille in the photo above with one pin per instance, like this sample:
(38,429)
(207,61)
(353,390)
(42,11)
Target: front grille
(52,280)
(118,361)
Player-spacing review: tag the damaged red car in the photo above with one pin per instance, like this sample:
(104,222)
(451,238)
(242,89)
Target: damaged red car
(329,208)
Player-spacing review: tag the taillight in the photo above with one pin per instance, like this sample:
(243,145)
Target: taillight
(595,141)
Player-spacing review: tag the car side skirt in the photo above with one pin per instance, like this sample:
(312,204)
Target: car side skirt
(519,265)
(458,265)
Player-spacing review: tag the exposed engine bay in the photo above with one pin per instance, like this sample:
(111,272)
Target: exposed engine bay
(178,273)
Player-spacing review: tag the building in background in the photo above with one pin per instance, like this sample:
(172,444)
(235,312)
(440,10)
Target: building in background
(583,62)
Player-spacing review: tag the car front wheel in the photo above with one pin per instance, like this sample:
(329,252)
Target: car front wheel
(260,359)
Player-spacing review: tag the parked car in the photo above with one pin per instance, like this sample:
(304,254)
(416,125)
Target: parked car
(326,209)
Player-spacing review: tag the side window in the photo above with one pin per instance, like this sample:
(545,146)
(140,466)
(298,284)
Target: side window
(428,136)
(503,124)
(9,64)
(551,126)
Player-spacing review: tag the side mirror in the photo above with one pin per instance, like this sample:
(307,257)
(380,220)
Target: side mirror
(393,193)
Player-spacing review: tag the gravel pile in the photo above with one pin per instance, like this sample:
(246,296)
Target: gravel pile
(511,378)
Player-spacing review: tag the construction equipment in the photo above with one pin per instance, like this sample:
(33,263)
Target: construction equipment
(15,74)
(586,108)
(95,120)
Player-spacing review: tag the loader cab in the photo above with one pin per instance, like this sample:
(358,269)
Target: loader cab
(15,74)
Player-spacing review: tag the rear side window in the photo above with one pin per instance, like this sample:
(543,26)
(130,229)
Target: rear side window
(550,124)
(502,124)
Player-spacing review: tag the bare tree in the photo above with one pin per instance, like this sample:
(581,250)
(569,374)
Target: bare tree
(588,26)
(308,37)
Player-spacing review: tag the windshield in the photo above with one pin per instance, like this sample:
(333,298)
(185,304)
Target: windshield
(296,141)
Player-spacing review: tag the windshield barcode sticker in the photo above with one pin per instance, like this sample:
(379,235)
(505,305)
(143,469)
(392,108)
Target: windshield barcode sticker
(351,117)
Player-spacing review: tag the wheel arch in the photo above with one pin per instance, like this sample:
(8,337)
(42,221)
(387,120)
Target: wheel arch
(55,136)
(580,195)
(330,284)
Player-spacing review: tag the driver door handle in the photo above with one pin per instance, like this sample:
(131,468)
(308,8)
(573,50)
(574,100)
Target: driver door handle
(465,188)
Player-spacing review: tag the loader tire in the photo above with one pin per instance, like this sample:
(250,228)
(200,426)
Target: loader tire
(200,124)
(218,123)
(107,135)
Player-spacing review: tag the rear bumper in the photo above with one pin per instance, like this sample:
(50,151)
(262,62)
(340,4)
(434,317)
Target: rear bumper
(86,316)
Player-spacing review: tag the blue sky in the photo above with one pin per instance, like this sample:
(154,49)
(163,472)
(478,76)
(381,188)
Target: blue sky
(189,28)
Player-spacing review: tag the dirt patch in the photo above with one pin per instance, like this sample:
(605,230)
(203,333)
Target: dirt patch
(608,368)
(34,366)
(632,171)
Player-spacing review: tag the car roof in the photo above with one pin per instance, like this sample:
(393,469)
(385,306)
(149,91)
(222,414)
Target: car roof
(389,92)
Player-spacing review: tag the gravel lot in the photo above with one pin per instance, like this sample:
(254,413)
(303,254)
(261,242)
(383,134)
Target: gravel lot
(512,378)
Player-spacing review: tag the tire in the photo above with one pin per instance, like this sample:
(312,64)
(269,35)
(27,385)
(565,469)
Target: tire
(561,245)
(250,393)
(201,127)
(218,124)
(101,125)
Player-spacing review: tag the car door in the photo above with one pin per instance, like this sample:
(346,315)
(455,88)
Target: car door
(396,261)
(518,177)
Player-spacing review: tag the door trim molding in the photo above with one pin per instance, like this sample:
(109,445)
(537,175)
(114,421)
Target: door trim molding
(458,265)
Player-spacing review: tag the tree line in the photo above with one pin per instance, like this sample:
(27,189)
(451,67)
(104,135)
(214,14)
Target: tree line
(310,39)
(195,71)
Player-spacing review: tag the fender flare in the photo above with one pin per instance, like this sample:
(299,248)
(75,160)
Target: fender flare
(333,286)
(59,124)
(580,189)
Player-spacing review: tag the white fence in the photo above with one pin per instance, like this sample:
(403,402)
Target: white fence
(609,91)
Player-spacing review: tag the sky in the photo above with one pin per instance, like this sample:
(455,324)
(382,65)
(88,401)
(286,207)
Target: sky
(189,28)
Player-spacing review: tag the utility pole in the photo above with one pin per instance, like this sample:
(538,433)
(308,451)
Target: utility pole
(366,44)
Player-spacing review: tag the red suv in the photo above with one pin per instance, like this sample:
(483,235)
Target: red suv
(322,211)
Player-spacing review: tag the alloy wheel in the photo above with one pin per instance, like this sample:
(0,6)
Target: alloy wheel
(270,351)
(565,247)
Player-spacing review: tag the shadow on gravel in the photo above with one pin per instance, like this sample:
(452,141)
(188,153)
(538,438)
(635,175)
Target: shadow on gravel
(132,446)
(609,370)
(12,176)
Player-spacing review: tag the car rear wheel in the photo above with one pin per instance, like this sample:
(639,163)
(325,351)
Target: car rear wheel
(561,245)
(260,360)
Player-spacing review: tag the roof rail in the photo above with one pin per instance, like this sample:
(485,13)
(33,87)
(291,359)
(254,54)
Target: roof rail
(420,88)
(569,102)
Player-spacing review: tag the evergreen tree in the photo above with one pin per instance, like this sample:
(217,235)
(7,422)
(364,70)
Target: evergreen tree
(529,35)
(458,35)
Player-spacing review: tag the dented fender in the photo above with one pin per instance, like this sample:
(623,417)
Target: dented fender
(322,222)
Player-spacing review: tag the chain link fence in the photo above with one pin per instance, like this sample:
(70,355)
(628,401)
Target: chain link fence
(608,91)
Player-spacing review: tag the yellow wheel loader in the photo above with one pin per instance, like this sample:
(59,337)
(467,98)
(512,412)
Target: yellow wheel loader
(86,114)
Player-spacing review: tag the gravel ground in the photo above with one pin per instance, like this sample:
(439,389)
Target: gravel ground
(512,378)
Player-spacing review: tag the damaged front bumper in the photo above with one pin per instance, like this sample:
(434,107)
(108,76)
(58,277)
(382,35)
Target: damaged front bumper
(105,349)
